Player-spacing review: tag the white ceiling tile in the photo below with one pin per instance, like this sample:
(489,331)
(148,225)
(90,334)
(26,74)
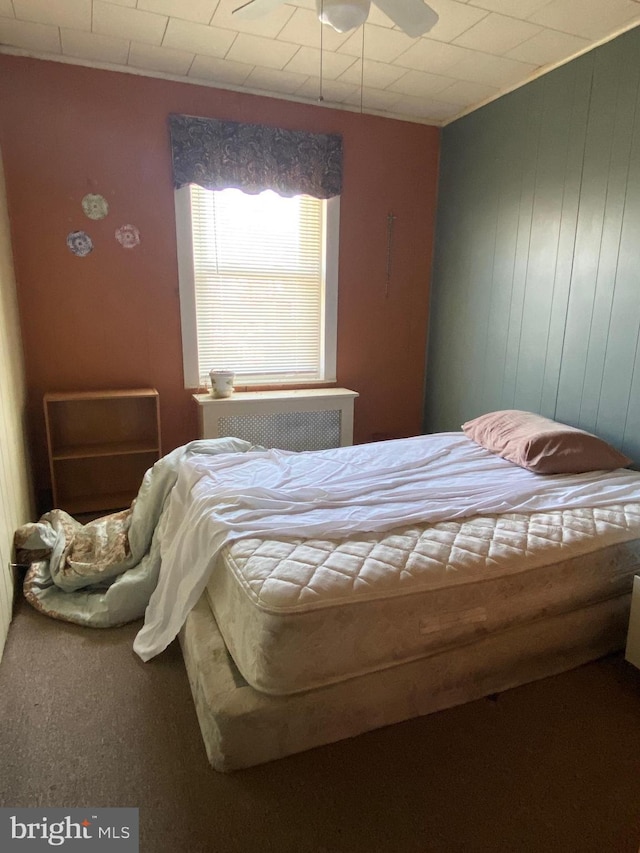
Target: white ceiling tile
(198,38)
(199,11)
(30,36)
(548,46)
(97,48)
(418,84)
(442,111)
(373,99)
(267,25)
(516,8)
(6,8)
(261,51)
(304,28)
(377,75)
(497,71)
(273,80)
(497,34)
(121,22)
(425,108)
(380,44)
(221,71)
(463,92)
(307,61)
(333,91)
(433,56)
(455,19)
(303,4)
(588,18)
(377,16)
(165,59)
(130,3)
(58,13)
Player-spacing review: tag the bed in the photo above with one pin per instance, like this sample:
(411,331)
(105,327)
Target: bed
(320,595)
(300,629)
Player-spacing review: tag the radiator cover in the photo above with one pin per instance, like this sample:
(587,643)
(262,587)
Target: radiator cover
(315,419)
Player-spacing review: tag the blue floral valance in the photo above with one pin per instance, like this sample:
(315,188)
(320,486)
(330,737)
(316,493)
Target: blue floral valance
(253,157)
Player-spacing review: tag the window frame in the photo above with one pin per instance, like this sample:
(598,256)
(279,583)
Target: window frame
(186,279)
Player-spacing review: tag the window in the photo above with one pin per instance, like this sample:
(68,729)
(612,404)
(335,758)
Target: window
(258,285)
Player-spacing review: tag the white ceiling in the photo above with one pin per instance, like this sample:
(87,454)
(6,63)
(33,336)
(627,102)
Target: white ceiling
(478,50)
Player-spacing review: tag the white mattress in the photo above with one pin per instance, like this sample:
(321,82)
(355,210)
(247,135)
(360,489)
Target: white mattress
(342,492)
(299,614)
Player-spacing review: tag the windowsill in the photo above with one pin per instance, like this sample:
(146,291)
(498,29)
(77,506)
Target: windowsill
(264,394)
(275,386)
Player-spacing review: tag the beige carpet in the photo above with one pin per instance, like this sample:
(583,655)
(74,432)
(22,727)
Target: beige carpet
(551,766)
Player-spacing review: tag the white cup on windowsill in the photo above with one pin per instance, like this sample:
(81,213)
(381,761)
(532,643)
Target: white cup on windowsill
(221,383)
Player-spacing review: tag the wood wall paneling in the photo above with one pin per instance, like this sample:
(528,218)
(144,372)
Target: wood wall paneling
(536,293)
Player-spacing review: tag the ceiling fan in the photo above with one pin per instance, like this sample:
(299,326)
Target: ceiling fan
(412,16)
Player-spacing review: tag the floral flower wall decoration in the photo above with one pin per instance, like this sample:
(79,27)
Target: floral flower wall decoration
(128,236)
(95,206)
(79,243)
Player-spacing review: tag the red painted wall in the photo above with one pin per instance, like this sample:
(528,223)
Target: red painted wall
(111,319)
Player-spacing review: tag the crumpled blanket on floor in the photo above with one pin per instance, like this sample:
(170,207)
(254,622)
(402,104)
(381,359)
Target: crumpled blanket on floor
(102,573)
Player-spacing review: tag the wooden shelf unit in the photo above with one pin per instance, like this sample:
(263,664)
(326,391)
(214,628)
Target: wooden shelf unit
(100,445)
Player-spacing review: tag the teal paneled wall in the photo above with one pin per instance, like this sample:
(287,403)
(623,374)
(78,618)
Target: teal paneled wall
(536,284)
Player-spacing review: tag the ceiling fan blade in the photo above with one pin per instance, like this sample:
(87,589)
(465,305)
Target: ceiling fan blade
(413,17)
(256,8)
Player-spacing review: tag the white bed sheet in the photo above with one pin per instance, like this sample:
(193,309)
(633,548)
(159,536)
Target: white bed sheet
(336,493)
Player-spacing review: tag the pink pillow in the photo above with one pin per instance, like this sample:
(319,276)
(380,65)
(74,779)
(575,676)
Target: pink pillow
(542,445)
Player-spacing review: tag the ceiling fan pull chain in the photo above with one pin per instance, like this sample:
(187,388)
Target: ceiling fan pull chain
(362,72)
(321,95)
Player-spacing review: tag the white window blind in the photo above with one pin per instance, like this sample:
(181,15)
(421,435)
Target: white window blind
(258,285)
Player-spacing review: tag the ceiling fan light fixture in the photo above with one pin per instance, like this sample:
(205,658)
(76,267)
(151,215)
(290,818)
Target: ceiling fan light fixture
(343,15)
